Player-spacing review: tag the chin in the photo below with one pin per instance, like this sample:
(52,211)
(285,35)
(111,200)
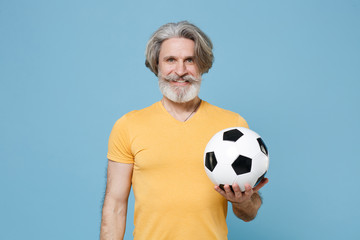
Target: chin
(179,94)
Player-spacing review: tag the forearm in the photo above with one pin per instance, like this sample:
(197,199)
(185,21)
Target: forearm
(247,211)
(113,221)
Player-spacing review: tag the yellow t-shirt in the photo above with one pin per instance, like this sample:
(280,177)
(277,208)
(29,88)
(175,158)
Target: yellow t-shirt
(174,199)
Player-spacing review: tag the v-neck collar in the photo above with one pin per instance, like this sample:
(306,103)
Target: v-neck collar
(192,118)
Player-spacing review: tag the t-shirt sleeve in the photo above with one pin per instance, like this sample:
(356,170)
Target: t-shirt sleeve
(119,149)
(242,122)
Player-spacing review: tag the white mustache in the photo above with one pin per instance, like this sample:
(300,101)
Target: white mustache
(174,78)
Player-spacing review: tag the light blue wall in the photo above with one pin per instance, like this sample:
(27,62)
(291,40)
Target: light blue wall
(69,69)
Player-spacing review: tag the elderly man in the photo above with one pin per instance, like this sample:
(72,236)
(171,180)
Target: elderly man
(159,151)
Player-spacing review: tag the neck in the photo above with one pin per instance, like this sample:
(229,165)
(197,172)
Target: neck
(181,111)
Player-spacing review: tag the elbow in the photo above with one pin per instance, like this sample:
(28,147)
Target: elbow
(114,207)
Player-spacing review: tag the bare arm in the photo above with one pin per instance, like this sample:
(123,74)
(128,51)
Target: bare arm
(114,210)
(247,210)
(245,204)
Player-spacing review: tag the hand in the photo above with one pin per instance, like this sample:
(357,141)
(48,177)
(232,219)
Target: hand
(238,197)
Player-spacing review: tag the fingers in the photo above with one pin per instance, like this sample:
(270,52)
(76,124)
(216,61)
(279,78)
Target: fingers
(234,194)
(221,191)
(248,191)
(226,191)
(237,191)
(263,182)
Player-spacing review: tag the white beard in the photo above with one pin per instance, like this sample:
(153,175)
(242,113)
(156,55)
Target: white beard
(179,94)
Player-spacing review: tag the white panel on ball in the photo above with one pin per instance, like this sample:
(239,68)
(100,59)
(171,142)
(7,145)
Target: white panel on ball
(223,175)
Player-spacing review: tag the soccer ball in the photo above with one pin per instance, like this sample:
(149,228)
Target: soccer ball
(236,155)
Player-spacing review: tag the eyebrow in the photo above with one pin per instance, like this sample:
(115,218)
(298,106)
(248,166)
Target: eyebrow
(186,57)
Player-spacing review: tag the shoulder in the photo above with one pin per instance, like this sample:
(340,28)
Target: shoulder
(210,107)
(133,120)
(139,114)
(224,114)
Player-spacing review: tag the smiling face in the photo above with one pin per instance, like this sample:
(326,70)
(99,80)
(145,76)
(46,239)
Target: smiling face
(179,77)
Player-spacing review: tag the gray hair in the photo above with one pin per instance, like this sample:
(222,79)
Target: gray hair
(204,57)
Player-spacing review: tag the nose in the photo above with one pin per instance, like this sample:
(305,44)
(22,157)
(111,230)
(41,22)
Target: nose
(180,69)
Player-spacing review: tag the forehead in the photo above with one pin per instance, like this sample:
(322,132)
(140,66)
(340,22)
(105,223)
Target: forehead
(177,47)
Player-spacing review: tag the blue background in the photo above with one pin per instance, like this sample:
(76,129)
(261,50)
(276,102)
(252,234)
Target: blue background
(70,69)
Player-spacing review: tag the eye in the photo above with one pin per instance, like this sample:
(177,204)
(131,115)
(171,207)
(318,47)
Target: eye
(189,60)
(170,60)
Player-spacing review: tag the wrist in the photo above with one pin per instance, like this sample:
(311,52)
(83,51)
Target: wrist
(243,204)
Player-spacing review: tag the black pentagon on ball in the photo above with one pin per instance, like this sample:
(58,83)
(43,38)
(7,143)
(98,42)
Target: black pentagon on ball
(242,165)
(262,146)
(210,161)
(232,135)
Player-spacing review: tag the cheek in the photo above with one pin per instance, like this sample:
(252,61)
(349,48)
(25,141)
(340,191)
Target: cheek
(193,70)
(165,69)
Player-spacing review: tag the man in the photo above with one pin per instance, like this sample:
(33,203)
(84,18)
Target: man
(159,151)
